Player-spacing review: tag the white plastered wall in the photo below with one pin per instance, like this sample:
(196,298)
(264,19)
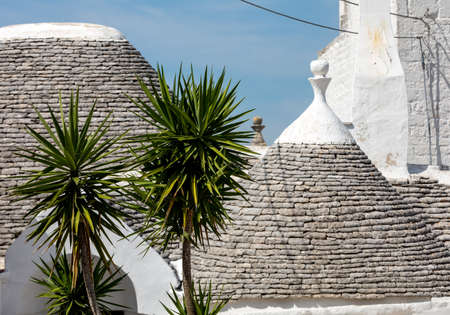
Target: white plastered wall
(368,90)
(341,54)
(428,92)
(148,277)
(380,112)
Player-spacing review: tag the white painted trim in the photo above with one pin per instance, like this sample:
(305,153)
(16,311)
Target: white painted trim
(84,31)
(324,306)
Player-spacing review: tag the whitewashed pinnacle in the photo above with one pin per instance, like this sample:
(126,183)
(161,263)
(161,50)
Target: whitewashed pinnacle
(318,124)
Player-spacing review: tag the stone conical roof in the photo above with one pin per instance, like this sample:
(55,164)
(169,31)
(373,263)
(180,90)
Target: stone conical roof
(321,221)
(39,60)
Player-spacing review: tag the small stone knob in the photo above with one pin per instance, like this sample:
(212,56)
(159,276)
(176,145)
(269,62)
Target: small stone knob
(257,120)
(319,68)
(258,140)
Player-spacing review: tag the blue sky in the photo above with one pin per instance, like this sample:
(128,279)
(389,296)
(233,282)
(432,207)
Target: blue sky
(269,54)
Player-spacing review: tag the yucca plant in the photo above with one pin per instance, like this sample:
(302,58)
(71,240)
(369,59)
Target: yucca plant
(203,302)
(73,187)
(191,164)
(64,297)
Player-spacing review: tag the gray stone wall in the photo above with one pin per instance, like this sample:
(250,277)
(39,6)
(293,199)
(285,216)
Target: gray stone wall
(428,89)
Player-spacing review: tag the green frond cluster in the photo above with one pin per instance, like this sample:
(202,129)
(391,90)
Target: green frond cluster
(194,160)
(203,302)
(75,182)
(65,298)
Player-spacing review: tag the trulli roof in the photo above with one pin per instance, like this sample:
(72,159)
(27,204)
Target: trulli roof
(432,198)
(321,221)
(37,61)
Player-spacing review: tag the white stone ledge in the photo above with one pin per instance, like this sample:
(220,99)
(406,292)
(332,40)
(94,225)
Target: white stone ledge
(388,306)
(83,31)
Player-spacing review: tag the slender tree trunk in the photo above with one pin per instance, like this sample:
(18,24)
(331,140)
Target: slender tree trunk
(187,276)
(88,277)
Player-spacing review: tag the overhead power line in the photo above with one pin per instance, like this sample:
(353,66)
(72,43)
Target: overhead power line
(407,16)
(317,24)
(297,19)
(349,2)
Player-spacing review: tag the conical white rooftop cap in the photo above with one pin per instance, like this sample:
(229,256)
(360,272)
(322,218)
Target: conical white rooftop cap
(318,124)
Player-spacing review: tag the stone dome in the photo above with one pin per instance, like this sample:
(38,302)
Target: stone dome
(37,61)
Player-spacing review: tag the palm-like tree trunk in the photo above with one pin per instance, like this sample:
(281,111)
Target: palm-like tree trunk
(187,276)
(86,265)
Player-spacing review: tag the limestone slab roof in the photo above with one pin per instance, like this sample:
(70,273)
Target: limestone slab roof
(321,221)
(433,199)
(32,72)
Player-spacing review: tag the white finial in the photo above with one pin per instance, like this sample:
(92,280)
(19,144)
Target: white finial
(318,124)
(319,68)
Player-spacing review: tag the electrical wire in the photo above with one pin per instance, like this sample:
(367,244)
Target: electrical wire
(317,24)
(297,19)
(349,2)
(407,16)
(420,38)
(406,37)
